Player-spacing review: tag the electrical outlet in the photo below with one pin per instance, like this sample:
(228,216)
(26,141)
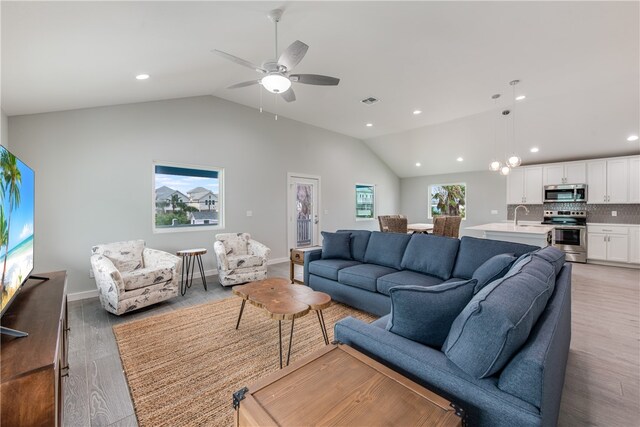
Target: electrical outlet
(494,212)
(91,273)
(326,211)
(614,213)
(249,213)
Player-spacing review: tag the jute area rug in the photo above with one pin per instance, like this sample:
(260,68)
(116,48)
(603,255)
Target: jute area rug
(182,367)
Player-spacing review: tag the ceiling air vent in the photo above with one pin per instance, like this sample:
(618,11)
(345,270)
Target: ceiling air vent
(370,100)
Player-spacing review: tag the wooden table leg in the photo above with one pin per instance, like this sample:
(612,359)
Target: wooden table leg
(291,268)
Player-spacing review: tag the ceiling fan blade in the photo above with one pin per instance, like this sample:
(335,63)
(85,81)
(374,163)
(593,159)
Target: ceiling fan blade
(314,79)
(289,95)
(293,54)
(239,61)
(244,84)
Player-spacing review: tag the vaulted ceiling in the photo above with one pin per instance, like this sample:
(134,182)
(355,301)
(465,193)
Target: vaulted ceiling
(579,63)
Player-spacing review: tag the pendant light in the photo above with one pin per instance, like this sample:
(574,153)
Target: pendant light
(514,160)
(495,164)
(505,169)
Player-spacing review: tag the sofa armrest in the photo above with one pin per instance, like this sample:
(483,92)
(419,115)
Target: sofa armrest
(484,403)
(155,258)
(221,256)
(309,256)
(108,278)
(258,249)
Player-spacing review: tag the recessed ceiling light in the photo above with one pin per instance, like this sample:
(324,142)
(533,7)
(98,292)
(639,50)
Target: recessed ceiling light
(632,138)
(416,112)
(142,76)
(418,164)
(459,159)
(369,125)
(534,149)
(520,98)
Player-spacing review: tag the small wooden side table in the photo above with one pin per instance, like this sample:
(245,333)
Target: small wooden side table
(189,259)
(297,258)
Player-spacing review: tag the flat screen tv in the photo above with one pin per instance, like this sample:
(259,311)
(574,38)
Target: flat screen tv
(16,225)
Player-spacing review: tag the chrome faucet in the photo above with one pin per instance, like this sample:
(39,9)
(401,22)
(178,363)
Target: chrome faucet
(515,214)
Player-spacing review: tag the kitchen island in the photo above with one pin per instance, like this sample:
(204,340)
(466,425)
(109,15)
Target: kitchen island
(537,235)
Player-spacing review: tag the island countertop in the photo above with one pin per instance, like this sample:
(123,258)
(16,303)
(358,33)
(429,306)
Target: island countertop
(508,227)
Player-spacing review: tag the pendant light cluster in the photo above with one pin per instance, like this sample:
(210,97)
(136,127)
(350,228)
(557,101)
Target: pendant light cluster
(512,160)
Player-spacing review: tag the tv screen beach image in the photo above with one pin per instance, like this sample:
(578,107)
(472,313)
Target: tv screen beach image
(16,223)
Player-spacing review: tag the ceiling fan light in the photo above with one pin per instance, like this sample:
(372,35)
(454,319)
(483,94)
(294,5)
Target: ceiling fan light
(276,83)
(514,161)
(495,166)
(504,171)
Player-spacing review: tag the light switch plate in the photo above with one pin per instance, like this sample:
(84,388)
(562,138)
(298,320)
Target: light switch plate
(326,211)
(494,212)
(614,213)
(249,213)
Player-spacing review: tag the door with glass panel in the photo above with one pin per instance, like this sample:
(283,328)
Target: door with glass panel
(303,210)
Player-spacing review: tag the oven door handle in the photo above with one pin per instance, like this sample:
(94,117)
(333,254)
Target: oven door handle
(570,227)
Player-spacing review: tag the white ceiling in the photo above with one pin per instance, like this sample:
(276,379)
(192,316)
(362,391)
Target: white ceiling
(579,63)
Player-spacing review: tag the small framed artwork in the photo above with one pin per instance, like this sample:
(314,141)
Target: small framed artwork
(365,202)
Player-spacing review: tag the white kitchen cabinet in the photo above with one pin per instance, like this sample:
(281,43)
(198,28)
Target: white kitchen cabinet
(565,173)
(634,245)
(634,179)
(524,186)
(608,243)
(597,181)
(618,181)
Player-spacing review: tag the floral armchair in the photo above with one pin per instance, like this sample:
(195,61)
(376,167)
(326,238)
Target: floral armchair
(130,276)
(240,258)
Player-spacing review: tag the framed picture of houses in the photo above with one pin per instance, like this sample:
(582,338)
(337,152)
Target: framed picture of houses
(365,202)
(187,197)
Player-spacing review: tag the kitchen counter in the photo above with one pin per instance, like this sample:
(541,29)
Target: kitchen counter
(530,234)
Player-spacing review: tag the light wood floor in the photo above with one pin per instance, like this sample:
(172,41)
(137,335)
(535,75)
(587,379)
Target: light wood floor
(602,384)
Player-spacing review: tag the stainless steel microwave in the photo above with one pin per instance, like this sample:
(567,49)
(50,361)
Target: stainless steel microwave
(571,193)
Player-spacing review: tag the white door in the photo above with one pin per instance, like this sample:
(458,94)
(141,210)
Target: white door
(634,180)
(303,210)
(618,248)
(575,173)
(554,175)
(597,246)
(515,187)
(617,181)
(533,186)
(597,181)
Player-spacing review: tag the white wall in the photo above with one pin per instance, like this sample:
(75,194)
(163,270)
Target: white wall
(4,129)
(93,174)
(486,191)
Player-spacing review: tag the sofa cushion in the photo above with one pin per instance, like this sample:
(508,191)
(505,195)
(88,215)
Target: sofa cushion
(359,241)
(553,255)
(405,277)
(474,252)
(242,261)
(363,276)
(328,268)
(429,254)
(386,249)
(336,245)
(493,269)
(499,318)
(144,277)
(425,314)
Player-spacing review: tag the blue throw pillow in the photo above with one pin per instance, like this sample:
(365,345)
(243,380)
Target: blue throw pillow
(493,269)
(425,314)
(429,254)
(336,245)
(553,255)
(498,319)
(386,249)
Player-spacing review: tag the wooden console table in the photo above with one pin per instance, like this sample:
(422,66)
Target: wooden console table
(33,367)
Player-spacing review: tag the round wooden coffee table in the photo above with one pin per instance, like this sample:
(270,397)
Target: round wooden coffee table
(284,301)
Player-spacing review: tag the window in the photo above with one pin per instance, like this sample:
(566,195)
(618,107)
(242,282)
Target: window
(365,202)
(187,197)
(448,199)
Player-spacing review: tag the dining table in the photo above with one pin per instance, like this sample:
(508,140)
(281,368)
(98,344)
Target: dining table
(419,228)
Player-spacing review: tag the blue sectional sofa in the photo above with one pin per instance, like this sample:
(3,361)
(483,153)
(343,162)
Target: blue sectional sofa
(505,354)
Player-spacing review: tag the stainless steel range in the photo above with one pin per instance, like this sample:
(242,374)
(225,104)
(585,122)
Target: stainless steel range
(570,233)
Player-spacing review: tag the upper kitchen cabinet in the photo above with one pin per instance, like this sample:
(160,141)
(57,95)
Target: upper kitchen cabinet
(614,180)
(524,186)
(565,173)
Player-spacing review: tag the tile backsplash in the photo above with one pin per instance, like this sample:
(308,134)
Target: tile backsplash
(626,213)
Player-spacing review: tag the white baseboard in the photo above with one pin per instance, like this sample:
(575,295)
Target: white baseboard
(278,260)
(76,296)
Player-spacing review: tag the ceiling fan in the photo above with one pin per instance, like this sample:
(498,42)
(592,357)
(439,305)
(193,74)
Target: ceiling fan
(278,77)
